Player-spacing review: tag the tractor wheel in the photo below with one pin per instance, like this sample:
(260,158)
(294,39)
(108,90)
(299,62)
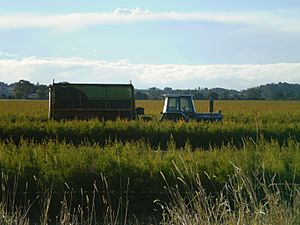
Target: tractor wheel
(173,117)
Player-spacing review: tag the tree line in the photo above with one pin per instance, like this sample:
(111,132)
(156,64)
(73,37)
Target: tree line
(24,89)
(280,91)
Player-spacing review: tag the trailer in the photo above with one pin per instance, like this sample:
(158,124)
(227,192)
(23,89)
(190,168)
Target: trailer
(85,101)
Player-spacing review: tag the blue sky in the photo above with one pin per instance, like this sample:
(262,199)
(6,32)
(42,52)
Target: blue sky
(182,44)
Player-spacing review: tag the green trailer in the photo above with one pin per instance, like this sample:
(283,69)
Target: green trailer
(84,101)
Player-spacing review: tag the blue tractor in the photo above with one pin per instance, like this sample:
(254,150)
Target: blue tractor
(181,107)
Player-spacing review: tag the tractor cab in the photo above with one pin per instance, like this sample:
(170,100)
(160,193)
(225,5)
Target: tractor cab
(181,107)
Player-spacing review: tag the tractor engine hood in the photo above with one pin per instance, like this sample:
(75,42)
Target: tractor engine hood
(208,116)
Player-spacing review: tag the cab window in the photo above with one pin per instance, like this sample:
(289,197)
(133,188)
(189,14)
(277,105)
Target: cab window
(173,104)
(186,105)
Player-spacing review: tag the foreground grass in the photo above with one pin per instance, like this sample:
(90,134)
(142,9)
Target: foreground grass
(57,163)
(242,200)
(138,174)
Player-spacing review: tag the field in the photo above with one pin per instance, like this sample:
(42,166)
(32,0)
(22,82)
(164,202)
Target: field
(133,163)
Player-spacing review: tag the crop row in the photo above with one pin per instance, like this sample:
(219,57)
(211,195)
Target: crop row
(255,109)
(79,166)
(198,135)
(66,166)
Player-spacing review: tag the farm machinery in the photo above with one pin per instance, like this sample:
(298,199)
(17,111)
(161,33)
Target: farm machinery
(181,107)
(112,101)
(84,101)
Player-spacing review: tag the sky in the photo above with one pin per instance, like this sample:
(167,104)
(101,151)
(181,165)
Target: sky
(171,43)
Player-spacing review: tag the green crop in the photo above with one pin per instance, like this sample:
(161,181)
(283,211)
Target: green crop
(261,138)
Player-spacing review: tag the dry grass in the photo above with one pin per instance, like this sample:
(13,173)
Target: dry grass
(40,107)
(242,201)
(237,203)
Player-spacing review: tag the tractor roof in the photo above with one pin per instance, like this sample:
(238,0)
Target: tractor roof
(177,95)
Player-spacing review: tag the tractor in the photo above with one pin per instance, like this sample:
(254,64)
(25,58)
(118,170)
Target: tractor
(181,107)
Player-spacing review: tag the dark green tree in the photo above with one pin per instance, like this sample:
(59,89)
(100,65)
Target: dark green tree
(141,96)
(198,96)
(280,96)
(213,95)
(22,89)
(253,93)
(155,93)
(41,91)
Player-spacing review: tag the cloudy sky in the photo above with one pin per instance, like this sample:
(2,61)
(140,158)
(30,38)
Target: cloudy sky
(179,44)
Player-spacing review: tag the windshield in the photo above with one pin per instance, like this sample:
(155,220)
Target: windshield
(186,104)
(183,104)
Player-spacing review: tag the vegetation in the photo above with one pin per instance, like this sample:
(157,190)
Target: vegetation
(242,121)
(280,91)
(79,166)
(24,89)
(237,203)
(245,168)
(143,172)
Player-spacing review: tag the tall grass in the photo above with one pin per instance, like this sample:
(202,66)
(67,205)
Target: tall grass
(242,200)
(199,135)
(240,171)
(65,165)
(94,208)
(243,120)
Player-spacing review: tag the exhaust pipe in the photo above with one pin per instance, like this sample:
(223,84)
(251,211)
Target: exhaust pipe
(211,105)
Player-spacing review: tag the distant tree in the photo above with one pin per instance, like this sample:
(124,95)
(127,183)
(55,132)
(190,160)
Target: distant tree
(3,90)
(155,93)
(198,96)
(23,88)
(236,96)
(282,90)
(253,93)
(225,95)
(167,90)
(213,95)
(141,96)
(41,91)
(280,96)
(290,95)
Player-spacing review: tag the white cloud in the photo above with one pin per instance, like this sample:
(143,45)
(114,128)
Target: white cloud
(282,20)
(8,55)
(135,11)
(43,70)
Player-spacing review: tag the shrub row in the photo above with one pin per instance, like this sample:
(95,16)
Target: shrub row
(80,166)
(198,135)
